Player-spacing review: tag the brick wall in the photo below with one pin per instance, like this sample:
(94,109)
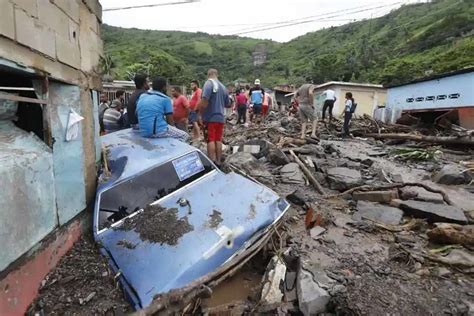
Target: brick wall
(66,31)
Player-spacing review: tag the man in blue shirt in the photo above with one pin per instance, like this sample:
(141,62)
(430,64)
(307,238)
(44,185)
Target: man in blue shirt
(214,98)
(256,95)
(155,113)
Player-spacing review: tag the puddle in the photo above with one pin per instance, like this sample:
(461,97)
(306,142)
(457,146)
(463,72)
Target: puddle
(239,287)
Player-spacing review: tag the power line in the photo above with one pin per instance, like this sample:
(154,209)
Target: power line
(305,21)
(150,5)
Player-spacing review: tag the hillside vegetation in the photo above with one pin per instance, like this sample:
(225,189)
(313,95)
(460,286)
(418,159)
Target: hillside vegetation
(408,43)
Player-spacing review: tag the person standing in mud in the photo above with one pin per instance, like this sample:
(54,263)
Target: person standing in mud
(241,101)
(180,109)
(256,96)
(348,110)
(193,114)
(211,108)
(305,98)
(330,98)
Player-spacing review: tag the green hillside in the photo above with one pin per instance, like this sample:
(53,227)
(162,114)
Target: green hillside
(405,44)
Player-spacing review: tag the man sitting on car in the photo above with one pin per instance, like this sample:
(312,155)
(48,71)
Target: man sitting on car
(155,113)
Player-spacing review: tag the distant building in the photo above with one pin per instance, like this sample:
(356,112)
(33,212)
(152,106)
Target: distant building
(282,92)
(450,92)
(259,55)
(367,96)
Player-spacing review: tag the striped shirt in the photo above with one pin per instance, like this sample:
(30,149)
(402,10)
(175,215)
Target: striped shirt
(112,120)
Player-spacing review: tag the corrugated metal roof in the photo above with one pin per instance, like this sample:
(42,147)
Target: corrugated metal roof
(434,77)
(350,84)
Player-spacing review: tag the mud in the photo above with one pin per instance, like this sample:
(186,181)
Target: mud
(215,219)
(158,225)
(126,244)
(81,284)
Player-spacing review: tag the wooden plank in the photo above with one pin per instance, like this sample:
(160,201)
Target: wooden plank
(5,96)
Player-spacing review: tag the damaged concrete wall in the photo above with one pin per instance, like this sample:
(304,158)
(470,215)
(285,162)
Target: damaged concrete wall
(58,40)
(28,211)
(451,92)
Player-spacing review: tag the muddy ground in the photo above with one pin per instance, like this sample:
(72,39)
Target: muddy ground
(364,266)
(81,284)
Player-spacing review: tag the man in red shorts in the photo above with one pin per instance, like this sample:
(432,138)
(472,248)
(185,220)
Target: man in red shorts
(214,98)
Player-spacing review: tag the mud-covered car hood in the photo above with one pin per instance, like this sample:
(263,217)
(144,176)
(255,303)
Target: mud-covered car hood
(223,214)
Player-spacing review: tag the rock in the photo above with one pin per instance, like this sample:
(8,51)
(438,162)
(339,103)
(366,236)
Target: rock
(459,257)
(240,159)
(312,299)
(277,157)
(341,179)
(273,278)
(291,173)
(297,197)
(367,162)
(290,280)
(257,147)
(377,212)
(407,194)
(337,289)
(442,272)
(375,196)
(433,212)
(452,175)
(316,231)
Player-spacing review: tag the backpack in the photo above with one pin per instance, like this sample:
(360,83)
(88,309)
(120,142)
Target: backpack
(353,107)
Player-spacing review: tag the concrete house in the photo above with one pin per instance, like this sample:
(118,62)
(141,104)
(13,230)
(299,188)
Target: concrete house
(49,144)
(368,96)
(451,93)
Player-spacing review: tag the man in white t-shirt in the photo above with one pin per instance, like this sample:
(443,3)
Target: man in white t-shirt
(330,98)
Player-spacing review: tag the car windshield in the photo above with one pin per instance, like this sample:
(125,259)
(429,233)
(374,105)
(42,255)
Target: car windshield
(134,194)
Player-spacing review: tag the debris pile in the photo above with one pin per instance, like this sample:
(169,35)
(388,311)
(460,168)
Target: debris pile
(371,220)
(377,226)
(81,282)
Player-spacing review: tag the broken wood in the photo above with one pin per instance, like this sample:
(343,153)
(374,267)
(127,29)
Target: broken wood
(394,186)
(445,233)
(308,173)
(11,97)
(443,140)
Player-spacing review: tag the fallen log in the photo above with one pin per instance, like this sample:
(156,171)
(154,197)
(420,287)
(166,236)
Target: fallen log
(445,233)
(394,186)
(442,140)
(308,173)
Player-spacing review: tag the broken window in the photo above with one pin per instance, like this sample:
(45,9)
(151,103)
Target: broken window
(29,113)
(132,195)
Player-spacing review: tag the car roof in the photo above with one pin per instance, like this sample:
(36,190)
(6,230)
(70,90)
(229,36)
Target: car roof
(129,153)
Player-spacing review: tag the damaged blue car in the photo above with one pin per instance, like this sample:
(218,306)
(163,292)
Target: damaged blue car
(168,220)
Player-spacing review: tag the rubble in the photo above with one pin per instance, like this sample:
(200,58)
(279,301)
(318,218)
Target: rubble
(341,178)
(452,175)
(375,196)
(312,298)
(273,280)
(291,174)
(378,213)
(277,157)
(433,212)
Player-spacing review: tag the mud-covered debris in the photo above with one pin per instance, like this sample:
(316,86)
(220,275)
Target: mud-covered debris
(158,225)
(81,284)
(126,244)
(451,234)
(215,219)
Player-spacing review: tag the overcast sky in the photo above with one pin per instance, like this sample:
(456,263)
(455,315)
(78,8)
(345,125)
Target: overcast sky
(232,17)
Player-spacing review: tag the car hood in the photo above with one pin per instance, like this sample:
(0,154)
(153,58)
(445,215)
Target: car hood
(226,211)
